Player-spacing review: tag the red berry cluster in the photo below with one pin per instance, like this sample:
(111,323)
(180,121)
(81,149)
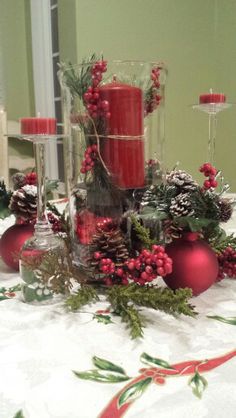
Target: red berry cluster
(154,99)
(55,222)
(142,269)
(209,171)
(227,263)
(95,106)
(90,157)
(31,178)
(155,74)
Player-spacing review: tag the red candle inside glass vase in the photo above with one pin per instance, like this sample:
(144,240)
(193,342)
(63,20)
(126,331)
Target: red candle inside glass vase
(38,126)
(123,151)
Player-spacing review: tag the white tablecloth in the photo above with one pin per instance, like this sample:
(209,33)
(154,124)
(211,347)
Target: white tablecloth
(40,346)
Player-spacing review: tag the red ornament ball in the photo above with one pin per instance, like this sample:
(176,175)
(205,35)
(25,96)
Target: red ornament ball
(12,241)
(195,264)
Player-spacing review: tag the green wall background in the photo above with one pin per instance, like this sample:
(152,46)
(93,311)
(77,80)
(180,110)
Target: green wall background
(196,39)
(17,56)
(15,42)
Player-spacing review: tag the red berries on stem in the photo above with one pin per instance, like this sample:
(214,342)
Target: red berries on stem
(90,157)
(153,98)
(227,263)
(95,106)
(209,171)
(142,269)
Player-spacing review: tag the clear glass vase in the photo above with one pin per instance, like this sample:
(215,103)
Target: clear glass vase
(114,119)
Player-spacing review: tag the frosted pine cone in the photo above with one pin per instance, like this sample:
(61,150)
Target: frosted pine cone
(182,180)
(226,210)
(150,198)
(171,230)
(23,203)
(181,205)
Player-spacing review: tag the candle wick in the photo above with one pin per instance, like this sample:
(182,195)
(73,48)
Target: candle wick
(211,91)
(114,78)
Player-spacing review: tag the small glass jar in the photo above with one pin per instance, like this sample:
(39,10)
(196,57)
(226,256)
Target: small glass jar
(32,263)
(114,119)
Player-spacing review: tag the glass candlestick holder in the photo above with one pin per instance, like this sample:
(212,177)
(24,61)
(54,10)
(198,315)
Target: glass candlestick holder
(212,103)
(44,240)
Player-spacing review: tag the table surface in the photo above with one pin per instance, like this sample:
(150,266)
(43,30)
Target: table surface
(41,345)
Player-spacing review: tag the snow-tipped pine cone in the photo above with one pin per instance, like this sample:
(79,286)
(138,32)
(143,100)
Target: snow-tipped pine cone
(226,210)
(181,205)
(182,180)
(23,203)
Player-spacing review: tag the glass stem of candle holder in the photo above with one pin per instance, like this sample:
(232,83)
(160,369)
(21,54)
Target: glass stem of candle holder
(42,224)
(211,138)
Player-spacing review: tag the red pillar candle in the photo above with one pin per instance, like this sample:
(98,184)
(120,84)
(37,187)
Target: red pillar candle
(38,126)
(124,157)
(212,98)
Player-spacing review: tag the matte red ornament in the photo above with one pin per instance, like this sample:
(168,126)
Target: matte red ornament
(195,264)
(12,241)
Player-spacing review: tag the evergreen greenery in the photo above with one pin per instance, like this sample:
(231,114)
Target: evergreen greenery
(85,295)
(126,300)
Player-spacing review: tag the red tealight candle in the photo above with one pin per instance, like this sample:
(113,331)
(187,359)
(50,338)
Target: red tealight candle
(212,98)
(38,126)
(124,157)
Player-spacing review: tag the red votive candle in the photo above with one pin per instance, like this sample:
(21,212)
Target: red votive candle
(124,157)
(38,126)
(212,98)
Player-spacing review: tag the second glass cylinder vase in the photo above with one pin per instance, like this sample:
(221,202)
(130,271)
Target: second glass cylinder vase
(114,119)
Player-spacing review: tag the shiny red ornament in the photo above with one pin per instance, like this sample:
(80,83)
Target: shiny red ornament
(195,264)
(12,241)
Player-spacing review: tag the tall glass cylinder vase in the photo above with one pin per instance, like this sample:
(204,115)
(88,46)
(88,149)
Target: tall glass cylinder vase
(114,118)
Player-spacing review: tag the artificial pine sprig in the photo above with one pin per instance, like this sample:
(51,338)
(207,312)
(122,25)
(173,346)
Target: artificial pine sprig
(85,295)
(124,300)
(78,82)
(142,233)
(164,299)
(132,317)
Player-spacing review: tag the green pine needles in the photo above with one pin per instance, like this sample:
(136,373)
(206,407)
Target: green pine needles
(126,302)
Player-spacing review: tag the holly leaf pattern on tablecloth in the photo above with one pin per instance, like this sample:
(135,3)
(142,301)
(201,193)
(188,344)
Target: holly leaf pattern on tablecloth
(107,365)
(198,384)
(229,320)
(105,319)
(120,403)
(9,293)
(134,391)
(99,376)
(146,359)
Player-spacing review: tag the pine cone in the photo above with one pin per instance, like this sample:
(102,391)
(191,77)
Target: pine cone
(182,180)
(226,210)
(111,244)
(171,231)
(181,205)
(150,198)
(23,203)
(18,180)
